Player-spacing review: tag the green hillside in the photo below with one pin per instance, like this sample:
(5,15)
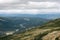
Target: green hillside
(49,31)
(13,23)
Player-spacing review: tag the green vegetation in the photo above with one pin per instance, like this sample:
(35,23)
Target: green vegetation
(22,23)
(49,31)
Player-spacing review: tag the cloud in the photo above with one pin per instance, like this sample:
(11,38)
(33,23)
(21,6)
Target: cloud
(29,6)
(41,0)
(9,1)
(32,5)
(43,5)
(31,11)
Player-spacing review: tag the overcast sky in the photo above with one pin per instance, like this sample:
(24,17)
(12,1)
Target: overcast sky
(30,6)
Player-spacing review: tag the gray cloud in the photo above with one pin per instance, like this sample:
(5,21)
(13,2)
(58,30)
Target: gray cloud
(40,0)
(31,4)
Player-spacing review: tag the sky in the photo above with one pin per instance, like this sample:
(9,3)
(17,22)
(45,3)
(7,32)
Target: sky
(30,6)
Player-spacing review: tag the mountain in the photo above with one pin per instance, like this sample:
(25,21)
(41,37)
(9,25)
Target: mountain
(42,15)
(14,24)
(49,31)
(49,16)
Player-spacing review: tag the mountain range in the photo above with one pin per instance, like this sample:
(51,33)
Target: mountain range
(9,24)
(44,16)
(29,26)
(48,31)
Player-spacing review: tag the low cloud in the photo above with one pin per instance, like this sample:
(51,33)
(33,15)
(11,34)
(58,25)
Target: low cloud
(31,11)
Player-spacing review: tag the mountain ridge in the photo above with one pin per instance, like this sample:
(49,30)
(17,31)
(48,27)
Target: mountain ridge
(15,24)
(45,16)
(52,28)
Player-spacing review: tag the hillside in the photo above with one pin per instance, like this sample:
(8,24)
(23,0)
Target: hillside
(49,31)
(14,24)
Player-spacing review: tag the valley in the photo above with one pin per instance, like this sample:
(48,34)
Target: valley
(13,25)
(48,31)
